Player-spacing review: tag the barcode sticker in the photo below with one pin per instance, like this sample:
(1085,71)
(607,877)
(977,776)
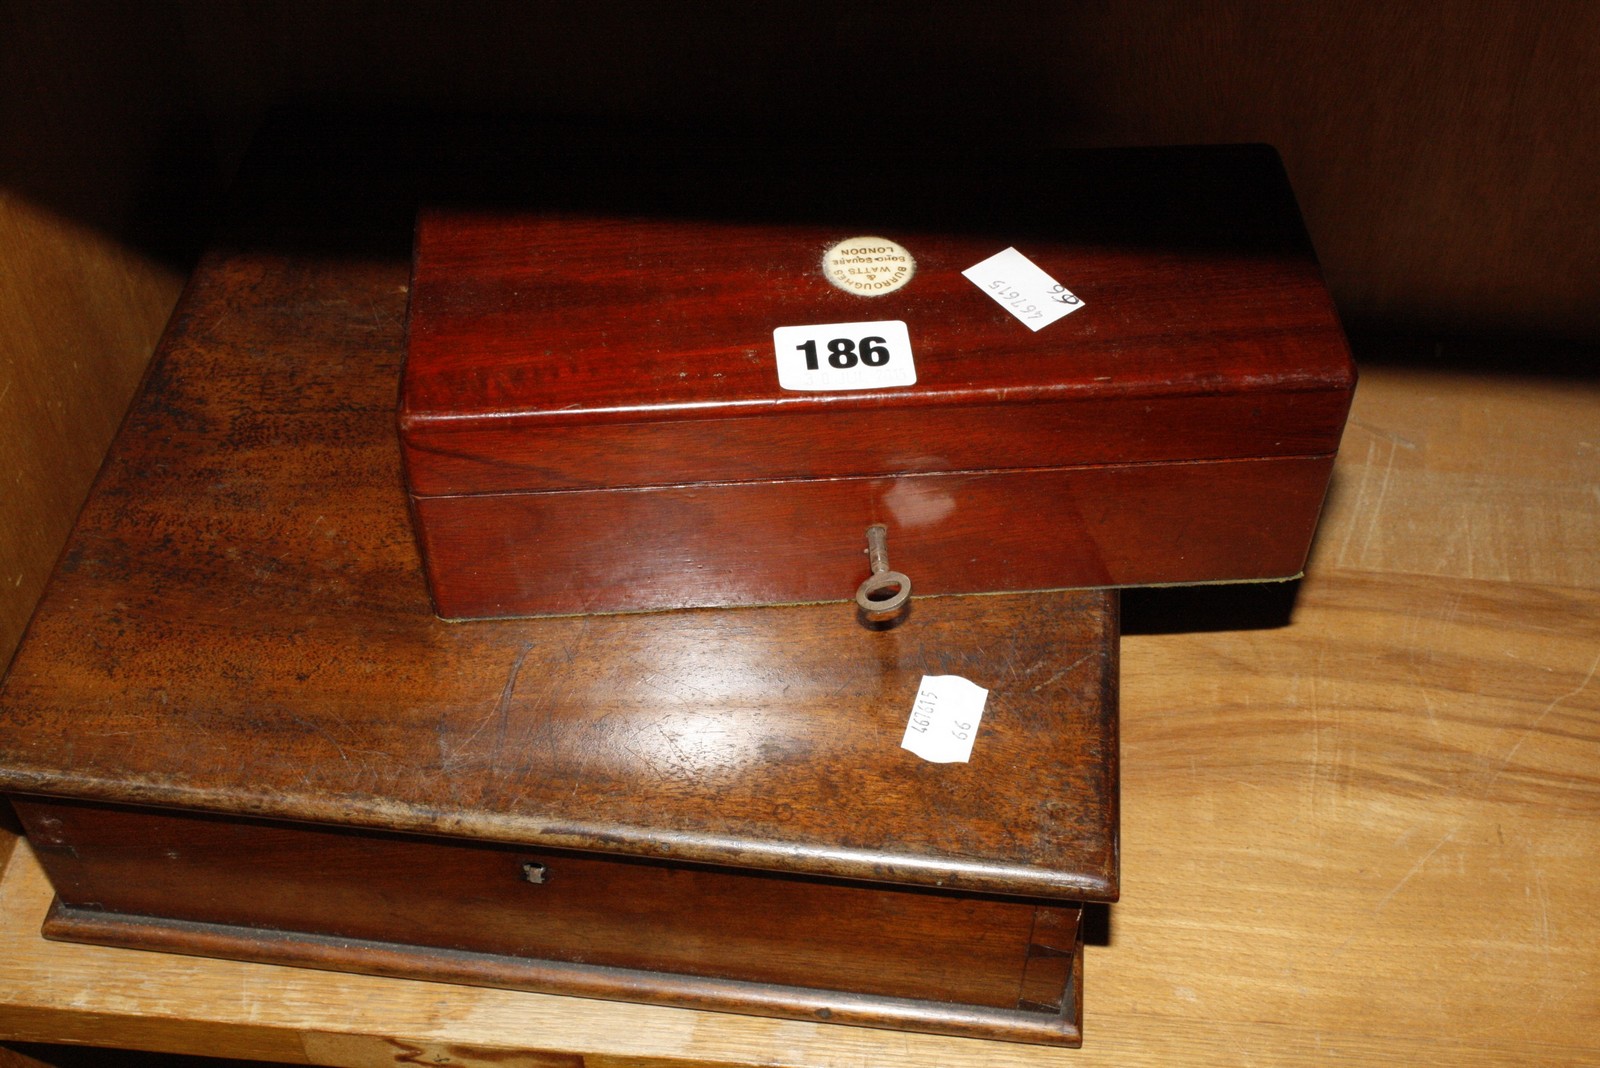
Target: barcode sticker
(944,719)
(1019,286)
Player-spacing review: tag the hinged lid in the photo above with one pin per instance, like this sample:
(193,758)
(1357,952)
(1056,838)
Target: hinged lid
(602,344)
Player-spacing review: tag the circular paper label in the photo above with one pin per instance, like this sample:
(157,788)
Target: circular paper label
(868,266)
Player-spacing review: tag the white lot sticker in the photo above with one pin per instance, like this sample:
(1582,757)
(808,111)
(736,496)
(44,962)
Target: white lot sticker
(1018,285)
(832,356)
(945,719)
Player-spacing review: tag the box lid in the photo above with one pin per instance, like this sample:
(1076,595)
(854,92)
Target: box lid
(604,342)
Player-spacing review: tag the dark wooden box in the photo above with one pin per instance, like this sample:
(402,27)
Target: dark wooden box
(237,728)
(592,417)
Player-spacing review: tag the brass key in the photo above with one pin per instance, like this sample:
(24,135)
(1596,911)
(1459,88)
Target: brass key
(884,592)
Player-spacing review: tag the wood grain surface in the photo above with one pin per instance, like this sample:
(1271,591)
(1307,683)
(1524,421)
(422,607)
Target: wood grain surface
(595,926)
(241,595)
(248,546)
(79,315)
(590,414)
(1369,834)
(532,334)
(973,532)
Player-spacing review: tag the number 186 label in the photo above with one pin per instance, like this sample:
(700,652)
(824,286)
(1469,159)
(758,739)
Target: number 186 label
(834,356)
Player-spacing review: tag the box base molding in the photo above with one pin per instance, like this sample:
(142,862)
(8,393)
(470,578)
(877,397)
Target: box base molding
(1059,1027)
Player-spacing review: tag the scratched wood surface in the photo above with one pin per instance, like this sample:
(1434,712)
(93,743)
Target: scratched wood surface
(1368,834)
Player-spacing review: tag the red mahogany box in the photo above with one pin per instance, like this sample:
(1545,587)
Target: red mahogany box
(1097,370)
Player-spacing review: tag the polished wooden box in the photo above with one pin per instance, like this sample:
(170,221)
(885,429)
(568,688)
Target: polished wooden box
(237,728)
(593,419)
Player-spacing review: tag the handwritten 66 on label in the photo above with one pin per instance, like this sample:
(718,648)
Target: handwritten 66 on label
(1022,288)
(837,356)
(1024,307)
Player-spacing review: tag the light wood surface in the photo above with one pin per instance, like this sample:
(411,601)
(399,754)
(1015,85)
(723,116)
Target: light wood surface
(1370,834)
(79,315)
(82,302)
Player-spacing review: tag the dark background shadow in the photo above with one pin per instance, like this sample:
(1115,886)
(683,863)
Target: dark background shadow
(1448,160)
